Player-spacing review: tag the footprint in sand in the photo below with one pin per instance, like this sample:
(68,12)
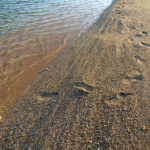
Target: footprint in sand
(134,76)
(124,95)
(116,99)
(111,100)
(138,35)
(145,33)
(82,87)
(46,95)
(145,44)
(141,34)
(139,59)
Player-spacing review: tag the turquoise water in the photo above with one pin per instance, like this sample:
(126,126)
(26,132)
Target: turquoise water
(18,14)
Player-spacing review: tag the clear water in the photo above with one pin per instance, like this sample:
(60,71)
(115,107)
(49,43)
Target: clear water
(32,29)
(33,32)
(18,14)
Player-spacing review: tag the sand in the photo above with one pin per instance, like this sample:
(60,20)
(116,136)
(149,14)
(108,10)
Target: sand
(95,94)
(20,65)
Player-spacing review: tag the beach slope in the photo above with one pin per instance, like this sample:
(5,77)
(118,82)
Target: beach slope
(95,95)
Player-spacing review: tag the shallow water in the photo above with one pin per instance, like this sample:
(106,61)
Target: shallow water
(32,29)
(32,32)
(48,16)
(21,13)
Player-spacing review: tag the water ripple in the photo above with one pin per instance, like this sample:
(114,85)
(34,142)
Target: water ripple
(18,14)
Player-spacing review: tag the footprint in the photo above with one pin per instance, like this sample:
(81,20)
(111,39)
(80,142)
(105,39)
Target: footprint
(82,87)
(132,77)
(45,95)
(138,35)
(111,99)
(124,95)
(137,77)
(141,34)
(139,59)
(114,100)
(145,33)
(145,44)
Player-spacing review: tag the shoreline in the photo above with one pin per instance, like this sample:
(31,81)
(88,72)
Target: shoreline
(95,94)
(26,52)
(17,83)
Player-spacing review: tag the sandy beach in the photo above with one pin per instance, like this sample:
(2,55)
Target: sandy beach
(28,43)
(95,94)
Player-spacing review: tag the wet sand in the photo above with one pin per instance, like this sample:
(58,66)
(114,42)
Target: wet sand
(95,93)
(27,50)
(20,67)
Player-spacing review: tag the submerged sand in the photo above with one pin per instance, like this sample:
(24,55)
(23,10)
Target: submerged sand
(95,95)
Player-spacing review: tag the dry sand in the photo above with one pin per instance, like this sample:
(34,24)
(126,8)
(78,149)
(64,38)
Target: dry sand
(95,95)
